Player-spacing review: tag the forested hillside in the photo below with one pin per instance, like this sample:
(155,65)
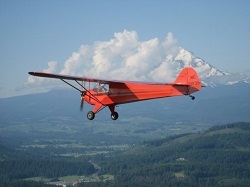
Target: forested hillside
(18,165)
(218,157)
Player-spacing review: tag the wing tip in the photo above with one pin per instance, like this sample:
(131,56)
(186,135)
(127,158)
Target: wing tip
(31,73)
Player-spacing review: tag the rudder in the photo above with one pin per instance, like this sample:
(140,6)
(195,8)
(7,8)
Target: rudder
(189,77)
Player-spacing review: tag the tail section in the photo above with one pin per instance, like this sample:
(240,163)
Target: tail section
(189,78)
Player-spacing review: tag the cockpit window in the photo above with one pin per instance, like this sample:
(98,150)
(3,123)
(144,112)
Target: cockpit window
(101,88)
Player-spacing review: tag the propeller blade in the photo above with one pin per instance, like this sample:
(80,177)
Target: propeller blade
(82,100)
(82,103)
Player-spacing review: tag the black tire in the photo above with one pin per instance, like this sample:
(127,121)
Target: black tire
(90,115)
(114,116)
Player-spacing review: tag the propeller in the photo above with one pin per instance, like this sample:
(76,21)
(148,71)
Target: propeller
(82,99)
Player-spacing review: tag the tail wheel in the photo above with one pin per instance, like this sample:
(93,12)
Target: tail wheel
(114,116)
(91,115)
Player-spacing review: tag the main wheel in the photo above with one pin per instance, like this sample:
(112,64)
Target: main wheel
(114,116)
(91,115)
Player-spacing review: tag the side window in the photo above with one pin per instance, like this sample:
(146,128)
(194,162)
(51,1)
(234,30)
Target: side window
(101,88)
(104,88)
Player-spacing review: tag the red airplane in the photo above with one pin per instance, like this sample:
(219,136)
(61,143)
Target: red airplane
(111,93)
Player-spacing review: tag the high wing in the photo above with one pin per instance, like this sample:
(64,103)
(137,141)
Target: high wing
(88,79)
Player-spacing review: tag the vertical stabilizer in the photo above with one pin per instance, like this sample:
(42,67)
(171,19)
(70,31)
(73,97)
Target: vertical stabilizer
(189,77)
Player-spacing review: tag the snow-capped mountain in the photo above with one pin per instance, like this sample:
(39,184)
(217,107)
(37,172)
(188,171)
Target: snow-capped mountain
(208,73)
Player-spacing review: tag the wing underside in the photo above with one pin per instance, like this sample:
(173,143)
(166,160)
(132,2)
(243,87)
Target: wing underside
(87,79)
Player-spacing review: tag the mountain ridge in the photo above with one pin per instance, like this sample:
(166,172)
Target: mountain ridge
(221,104)
(210,75)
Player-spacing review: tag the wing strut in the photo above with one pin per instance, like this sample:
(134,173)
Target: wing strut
(73,86)
(92,96)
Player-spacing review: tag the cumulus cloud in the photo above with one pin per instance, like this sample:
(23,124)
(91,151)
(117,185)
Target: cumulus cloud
(123,57)
(52,67)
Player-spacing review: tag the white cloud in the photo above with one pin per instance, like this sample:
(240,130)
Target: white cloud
(167,70)
(52,68)
(123,57)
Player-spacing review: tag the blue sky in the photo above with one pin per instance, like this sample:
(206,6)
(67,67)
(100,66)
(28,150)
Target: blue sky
(32,33)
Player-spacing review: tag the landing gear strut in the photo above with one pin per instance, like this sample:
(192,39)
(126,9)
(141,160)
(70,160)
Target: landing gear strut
(114,116)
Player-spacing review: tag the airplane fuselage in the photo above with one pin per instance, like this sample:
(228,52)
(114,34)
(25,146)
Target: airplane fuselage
(132,92)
